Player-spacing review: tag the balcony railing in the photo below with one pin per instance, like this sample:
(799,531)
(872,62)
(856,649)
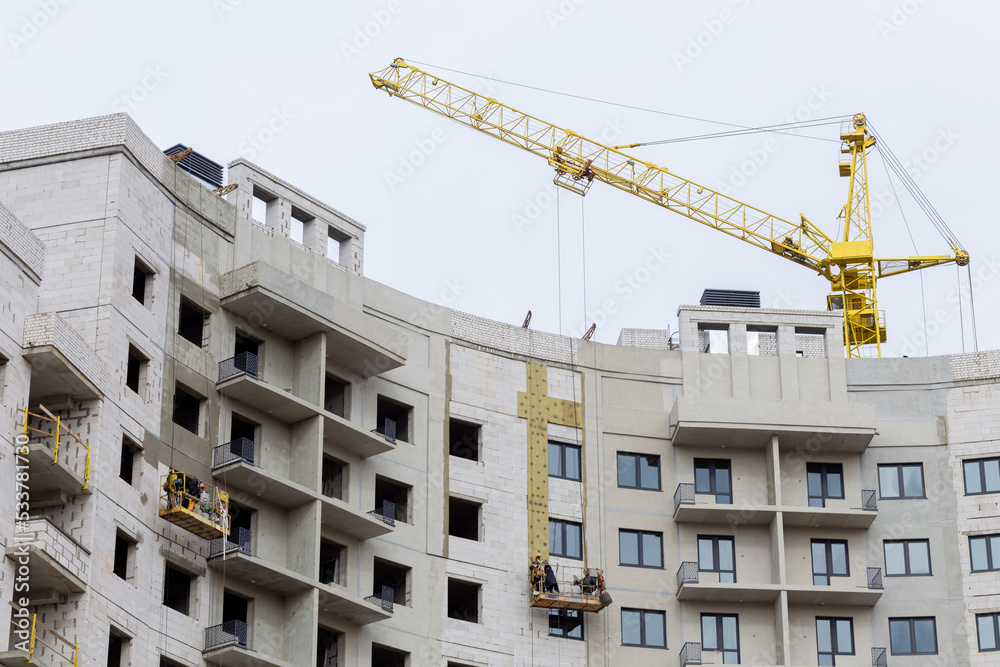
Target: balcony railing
(387,512)
(875,578)
(687,573)
(240,448)
(387,429)
(691,653)
(384,600)
(868,500)
(230,633)
(239,540)
(879,658)
(244,363)
(684,495)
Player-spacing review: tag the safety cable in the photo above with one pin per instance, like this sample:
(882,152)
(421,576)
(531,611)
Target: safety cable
(559,260)
(972,309)
(920,274)
(600,101)
(834,120)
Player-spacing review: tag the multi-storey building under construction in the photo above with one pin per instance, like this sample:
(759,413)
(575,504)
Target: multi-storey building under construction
(223,445)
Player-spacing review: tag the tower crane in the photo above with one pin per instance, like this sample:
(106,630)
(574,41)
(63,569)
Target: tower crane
(847,262)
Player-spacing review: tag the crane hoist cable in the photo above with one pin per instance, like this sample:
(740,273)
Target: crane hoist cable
(848,263)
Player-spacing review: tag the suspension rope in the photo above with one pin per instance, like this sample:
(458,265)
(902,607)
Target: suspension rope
(961,311)
(583,232)
(920,274)
(559,259)
(972,309)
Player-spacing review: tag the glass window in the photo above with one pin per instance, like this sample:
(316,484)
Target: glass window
(564,461)
(717,554)
(720,632)
(981,476)
(985,552)
(907,558)
(829,558)
(825,480)
(988,631)
(639,471)
(834,636)
(566,623)
(913,636)
(905,480)
(642,627)
(713,477)
(565,539)
(640,549)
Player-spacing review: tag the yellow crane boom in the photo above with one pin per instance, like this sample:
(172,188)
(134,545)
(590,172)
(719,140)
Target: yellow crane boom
(848,264)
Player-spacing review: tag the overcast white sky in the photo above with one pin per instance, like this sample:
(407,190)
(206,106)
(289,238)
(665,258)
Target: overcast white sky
(285,85)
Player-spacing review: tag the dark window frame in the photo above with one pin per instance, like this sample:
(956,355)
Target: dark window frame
(828,551)
(712,466)
(640,534)
(906,558)
(638,475)
(563,448)
(899,477)
(719,626)
(186,600)
(642,626)
(716,539)
(835,649)
(562,628)
(561,526)
(913,635)
(993,560)
(980,464)
(995,617)
(824,470)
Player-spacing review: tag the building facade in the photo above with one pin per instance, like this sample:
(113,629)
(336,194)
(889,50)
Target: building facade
(391,466)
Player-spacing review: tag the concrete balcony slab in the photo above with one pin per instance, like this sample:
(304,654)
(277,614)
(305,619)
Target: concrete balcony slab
(294,310)
(716,592)
(334,599)
(58,565)
(59,480)
(709,422)
(354,522)
(273,577)
(62,363)
(258,481)
(344,434)
(833,595)
(752,515)
(239,656)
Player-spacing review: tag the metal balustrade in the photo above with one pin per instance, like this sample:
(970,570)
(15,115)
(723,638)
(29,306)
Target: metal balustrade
(684,495)
(229,633)
(687,573)
(879,657)
(875,578)
(239,540)
(240,448)
(691,653)
(868,501)
(387,512)
(244,363)
(384,600)
(387,429)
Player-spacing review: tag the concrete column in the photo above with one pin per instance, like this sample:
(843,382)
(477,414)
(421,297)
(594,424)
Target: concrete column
(305,456)
(740,360)
(309,368)
(303,539)
(301,627)
(773,464)
(782,634)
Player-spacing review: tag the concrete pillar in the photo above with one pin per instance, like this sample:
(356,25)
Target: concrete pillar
(782,634)
(309,368)
(301,627)
(773,464)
